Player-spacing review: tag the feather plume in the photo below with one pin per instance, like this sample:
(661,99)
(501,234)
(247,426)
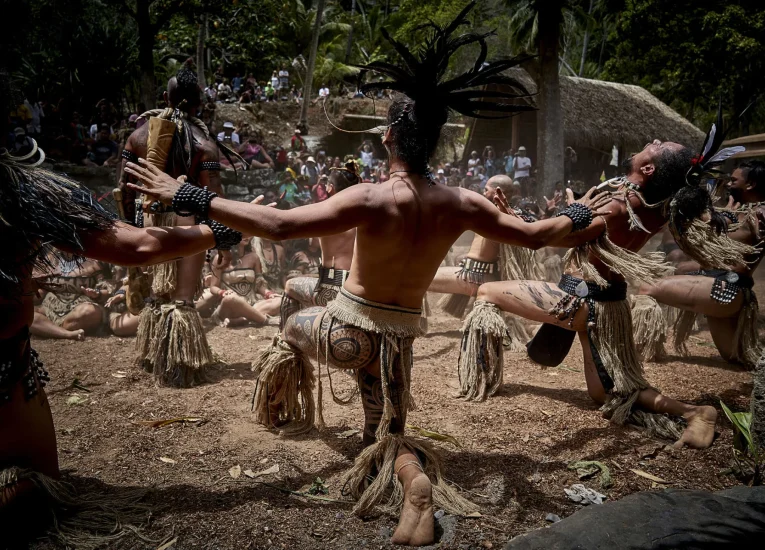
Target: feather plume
(421,75)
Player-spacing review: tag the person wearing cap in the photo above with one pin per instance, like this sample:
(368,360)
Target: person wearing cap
(228,135)
(310,171)
(440,176)
(22,145)
(297,143)
(522,169)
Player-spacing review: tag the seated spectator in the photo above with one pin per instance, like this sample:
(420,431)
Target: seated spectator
(224,91)
(103,152)
(323,92)
(296,94)
(208,112)
(228,136)
(22,144)
(246,97)
(253,152)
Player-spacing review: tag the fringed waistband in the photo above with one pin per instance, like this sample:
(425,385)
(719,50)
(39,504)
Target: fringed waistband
(374,316)
(329,276)
(475,271)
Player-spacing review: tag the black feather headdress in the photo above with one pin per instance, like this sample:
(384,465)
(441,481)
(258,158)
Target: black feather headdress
(39,212)
(421,76)
(711,156)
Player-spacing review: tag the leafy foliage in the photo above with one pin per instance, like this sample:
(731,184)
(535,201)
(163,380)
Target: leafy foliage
(748,456)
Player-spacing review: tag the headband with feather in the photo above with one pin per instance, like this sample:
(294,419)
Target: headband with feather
(421,76)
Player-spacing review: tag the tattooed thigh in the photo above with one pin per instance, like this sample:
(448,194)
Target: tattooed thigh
(301,289)
(299,329)
(349,346)
(372,400)
(325,294)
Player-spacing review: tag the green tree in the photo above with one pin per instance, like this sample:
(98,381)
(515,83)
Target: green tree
(698,51)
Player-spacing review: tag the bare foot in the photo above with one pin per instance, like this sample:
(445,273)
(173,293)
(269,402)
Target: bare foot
(700,430)
(415,528)
(225,323)
(78,335)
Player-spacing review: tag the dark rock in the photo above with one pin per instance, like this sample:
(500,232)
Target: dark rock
(670,519)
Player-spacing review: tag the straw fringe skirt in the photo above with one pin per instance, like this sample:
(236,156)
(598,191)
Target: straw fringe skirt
(285,385)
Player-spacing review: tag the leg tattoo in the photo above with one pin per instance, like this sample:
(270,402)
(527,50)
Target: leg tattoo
(372,400)
(287,308)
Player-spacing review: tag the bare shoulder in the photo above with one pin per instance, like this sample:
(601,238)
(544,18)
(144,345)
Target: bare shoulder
(136,141)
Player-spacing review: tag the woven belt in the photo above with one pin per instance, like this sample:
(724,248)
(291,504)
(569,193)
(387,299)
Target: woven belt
(331,276)
(580,292)
(733,282)
(477,266)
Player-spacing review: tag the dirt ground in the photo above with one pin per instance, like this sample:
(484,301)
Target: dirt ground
(513,460)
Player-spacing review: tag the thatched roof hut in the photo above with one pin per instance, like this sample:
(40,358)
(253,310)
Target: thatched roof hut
(596,116)
(599,114)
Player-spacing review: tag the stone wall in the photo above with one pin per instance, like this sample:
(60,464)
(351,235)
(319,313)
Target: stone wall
(240,186)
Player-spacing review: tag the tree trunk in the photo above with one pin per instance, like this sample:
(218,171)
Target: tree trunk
(303,125)
(549,159)
(201,53)
(146,54)
(585,42)
(350,34)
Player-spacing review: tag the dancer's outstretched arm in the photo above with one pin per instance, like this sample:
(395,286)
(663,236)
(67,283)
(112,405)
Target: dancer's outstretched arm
(130,246)
(492,223)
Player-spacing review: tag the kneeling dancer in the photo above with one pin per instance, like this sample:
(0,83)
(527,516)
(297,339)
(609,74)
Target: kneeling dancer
(591,297)
(336,258)
(724,293)
(405,226)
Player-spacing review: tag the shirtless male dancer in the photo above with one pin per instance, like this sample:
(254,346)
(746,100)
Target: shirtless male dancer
(656,177)
(404,228)
(725,296)
(187,151)
(42,210)
(336,257)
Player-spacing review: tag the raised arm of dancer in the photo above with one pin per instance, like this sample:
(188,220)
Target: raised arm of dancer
(346,210)
(129,246)
(487,220)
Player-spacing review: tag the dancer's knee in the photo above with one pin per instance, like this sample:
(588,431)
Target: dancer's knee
(647,289)
(485,293)
(85,316)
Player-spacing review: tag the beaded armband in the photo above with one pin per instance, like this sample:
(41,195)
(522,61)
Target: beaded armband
(579,214)
(225,237)
(130,156)
(192,201)
(209,165)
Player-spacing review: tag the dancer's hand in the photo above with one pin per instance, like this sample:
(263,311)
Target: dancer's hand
(593,203)
(732,204)
(114,300)
(222,260)
(500,201)
(156,184)
(259,200)
(91,293)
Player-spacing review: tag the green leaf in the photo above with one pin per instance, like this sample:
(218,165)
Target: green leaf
(742,423)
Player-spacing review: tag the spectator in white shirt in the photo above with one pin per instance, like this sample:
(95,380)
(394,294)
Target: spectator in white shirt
(522,163)
(228,135)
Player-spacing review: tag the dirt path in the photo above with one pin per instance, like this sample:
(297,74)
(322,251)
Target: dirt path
(516,446)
